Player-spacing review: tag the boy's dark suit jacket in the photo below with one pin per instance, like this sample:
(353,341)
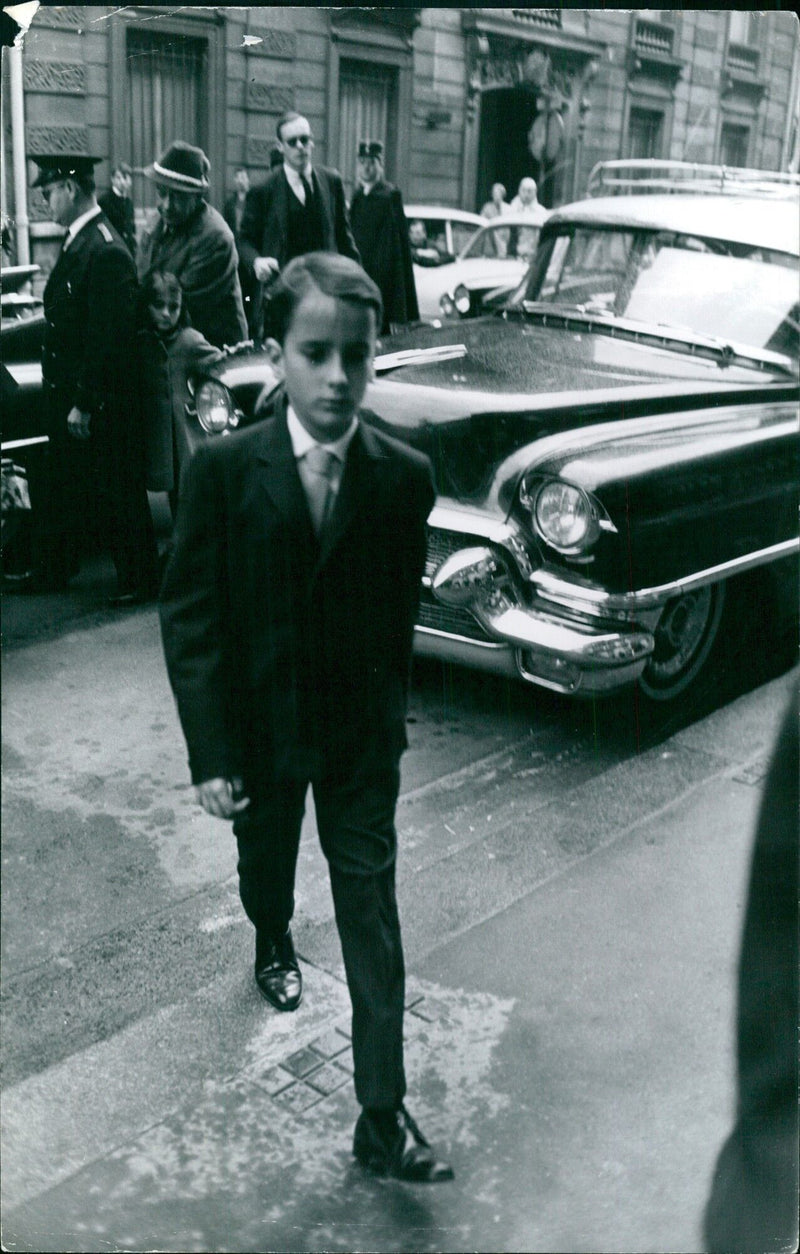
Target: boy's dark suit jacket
(286,658)
(266,211)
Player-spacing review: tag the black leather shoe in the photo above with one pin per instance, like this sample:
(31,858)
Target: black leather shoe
(277,972)
(389,1143)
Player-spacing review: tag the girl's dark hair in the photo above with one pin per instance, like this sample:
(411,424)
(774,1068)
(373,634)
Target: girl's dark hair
(147,292)
(330,273)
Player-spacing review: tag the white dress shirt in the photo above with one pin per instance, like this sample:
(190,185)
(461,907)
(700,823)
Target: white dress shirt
(302,442)
(296,182)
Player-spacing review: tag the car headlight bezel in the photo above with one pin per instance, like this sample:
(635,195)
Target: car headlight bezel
(564,515)
(462,300)
(215,407)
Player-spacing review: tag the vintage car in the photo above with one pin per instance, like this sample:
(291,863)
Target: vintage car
(17,297)
(616,449)
(437,235)
(497,256)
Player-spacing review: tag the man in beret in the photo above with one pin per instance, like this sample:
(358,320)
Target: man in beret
(96,450)
(299,209)
(195,242)
(381,232)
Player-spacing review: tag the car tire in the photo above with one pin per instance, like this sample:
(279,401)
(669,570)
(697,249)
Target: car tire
(685,639)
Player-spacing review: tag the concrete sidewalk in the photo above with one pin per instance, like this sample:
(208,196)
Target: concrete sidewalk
(571,1053)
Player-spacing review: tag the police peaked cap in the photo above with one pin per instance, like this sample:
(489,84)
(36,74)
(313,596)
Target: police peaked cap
(370,148)
(182,167)
(61,165)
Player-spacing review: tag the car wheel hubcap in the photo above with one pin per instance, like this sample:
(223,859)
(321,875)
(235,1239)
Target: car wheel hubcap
(683,639)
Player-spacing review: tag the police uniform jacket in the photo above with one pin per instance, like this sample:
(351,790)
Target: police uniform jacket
(89,305)
(381,233)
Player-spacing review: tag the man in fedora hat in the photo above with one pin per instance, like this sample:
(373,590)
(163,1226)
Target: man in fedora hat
(195,242)
(96,450)
(299,209)
(381,233)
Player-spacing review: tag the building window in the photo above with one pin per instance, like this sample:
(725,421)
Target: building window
(645,133)
(367,110)
(167,92)
(734,142)
(743,28)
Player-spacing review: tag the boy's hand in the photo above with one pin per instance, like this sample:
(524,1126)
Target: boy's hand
(222,798)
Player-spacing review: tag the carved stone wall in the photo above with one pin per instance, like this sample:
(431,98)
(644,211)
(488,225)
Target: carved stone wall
(66,78)
(258,148)
(272,43)
(62,17)
(268,98)
(55,139)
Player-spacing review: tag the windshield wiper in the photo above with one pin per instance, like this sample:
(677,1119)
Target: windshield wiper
(725,352)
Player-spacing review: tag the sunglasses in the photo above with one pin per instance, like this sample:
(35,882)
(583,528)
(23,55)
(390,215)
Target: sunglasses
(296,140)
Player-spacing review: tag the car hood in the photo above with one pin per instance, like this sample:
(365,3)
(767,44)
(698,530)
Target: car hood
(511,381)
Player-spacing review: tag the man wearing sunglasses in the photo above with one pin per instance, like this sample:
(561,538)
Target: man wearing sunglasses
(299,209)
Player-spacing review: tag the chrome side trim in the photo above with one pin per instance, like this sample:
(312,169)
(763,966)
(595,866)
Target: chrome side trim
(594,600)
(34,439)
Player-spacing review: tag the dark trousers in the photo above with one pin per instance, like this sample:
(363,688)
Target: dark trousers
(355,819)
(93,489)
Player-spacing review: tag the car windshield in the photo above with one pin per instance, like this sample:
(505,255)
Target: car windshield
(512,242)
(706,287)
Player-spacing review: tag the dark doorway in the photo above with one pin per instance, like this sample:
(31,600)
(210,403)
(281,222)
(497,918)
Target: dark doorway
(503,153)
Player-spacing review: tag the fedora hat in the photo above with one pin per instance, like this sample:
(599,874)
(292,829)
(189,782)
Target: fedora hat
(182,167)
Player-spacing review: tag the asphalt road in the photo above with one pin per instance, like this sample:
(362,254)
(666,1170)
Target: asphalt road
(126,956)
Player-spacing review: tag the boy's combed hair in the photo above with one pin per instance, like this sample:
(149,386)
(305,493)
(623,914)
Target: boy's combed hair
(147,291)
(330,273)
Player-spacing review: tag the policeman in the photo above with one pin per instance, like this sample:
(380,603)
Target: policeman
(96,450)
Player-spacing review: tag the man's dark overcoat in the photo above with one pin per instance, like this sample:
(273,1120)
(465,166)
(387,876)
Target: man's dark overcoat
(380,230)
(289,660)
(88,362)
(202,254)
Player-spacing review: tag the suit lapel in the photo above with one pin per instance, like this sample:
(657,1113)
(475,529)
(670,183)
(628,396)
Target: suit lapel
(280,476)
(358,488)
(327,208)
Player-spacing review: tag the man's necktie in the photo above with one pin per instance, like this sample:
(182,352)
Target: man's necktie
(307,190)
(319,463)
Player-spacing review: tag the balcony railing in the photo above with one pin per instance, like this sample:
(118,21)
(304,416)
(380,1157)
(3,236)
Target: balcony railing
(742,57)
(653,38)
(551,18)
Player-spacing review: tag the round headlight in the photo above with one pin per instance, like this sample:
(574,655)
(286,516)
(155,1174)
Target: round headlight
(215,407)
(563,515)
(446,307)
(462,300)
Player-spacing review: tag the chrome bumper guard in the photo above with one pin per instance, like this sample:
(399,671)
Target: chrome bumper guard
(555,652)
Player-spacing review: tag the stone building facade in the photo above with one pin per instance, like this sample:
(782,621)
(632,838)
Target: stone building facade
(461,97)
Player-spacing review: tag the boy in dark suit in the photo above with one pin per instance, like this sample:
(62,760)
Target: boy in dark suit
(288,614)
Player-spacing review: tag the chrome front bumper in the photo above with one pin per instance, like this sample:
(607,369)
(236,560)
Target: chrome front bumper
(496,620)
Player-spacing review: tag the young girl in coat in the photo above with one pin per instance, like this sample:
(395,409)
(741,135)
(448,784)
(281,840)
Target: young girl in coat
(171,353)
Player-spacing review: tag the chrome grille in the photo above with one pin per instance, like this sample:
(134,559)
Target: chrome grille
(450,619)
(442,543)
